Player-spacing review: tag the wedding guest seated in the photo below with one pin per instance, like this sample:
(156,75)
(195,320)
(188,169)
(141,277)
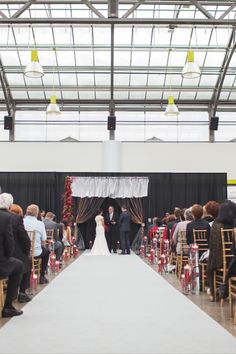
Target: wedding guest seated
(10,267)
(22,250)
(180,232)
(66,234)
(170,220)
(42,213)
(40,251)
(198,223)
(210,211)
(50,224)
(231,272)
(180,219)
(156,224)
(149,226)
(225,220)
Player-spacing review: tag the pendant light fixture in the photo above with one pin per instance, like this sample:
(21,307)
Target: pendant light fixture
(53,108)
(34,68)
(191,70)
(171,109)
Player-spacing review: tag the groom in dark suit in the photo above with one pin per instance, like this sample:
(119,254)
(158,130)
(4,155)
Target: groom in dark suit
(111,222)
(125,227)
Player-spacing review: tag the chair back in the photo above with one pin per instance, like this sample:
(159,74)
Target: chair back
(182,240)
(200,238)
(227,238)
(31,235)
(50,234)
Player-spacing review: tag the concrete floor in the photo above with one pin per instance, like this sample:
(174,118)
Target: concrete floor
(219,313)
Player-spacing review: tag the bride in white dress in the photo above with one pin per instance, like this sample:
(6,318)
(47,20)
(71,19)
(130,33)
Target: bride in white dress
(100,247)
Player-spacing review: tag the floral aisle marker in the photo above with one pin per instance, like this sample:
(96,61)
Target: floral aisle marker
(67,197)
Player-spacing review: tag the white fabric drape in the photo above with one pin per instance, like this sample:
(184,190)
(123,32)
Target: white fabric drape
(113,187)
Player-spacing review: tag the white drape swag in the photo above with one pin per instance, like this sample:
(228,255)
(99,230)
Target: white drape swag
(113,187)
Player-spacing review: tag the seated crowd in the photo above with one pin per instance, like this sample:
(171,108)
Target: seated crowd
(211,218)
(16,247)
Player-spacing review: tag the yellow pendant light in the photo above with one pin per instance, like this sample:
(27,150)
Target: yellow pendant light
(34,68)
(53,108)
(171,109)
(191,70)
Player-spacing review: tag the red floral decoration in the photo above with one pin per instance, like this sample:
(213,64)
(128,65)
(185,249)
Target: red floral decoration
(67,197)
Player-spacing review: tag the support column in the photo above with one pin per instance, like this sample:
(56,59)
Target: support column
(12,131)
(111,156)
(112,103)
(211,132)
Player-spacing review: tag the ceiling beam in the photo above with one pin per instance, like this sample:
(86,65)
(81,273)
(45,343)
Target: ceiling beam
(119,21)
(227,11)
(2,14)
(202,9)
(9,102)
(149,2)
(221,81)
(23,8)
(128,102)
(221,69)
(92,8)
(133,8)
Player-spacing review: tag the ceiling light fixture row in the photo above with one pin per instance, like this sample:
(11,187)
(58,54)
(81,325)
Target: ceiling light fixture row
(34,70)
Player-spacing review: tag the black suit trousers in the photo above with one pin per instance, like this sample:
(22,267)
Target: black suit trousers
(125,241)
(15,269)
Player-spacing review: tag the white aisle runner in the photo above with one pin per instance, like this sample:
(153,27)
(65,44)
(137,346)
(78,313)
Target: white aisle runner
(113,305)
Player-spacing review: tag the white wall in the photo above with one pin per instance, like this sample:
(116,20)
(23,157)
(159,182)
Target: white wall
(135,157)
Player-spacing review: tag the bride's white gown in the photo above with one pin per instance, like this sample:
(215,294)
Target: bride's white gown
(100,247)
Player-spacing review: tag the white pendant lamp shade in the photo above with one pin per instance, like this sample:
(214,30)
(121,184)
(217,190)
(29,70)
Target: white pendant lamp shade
(191,70)
(171,109)
(34,68)
(53,108)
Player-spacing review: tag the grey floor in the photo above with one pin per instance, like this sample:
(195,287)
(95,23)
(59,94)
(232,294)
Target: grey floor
(114,304)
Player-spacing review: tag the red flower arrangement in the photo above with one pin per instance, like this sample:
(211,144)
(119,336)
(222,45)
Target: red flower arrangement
(67,212)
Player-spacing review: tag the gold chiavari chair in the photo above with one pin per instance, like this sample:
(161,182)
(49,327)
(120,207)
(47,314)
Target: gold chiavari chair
(182,257)
(200,238)
(1,294)
(160,242)
(232,289)
(232,298)
(36,262)
(50,235)
(3,286)
(227,236)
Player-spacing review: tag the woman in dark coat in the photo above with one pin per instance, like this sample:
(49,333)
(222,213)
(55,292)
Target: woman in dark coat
(22,250)
(225,220)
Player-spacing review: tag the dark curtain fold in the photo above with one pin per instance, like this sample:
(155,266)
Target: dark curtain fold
(135,207)
(137,242)
(87,208)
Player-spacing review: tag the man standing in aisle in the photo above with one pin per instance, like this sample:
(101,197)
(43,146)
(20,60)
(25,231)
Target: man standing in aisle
(125,227)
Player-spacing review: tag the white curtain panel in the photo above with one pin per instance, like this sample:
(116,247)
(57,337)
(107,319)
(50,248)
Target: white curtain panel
(113,187)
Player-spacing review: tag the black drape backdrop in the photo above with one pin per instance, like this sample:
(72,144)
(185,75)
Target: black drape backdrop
(166,190)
